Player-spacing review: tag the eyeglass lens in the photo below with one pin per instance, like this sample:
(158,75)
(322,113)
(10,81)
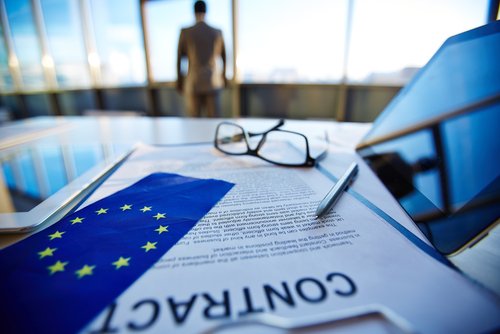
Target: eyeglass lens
(231,139)
(284,147)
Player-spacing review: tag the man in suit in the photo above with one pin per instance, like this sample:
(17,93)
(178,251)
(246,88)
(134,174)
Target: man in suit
(202,45)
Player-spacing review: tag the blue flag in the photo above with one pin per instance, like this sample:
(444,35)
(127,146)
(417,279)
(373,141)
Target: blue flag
(59,279)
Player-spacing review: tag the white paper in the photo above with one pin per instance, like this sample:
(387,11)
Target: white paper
(259,251)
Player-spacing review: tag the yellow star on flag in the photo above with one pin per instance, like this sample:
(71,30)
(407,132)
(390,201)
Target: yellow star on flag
(126,207)
(101,211)
(162,229)
(56,235)
(47,252)
(146,208)
(159,216)
(121,262)
(58,266)
(84,271)
(76,220)
(149,246)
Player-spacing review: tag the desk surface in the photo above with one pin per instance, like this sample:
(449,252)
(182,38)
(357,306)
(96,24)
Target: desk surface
(159,131)
(117,134)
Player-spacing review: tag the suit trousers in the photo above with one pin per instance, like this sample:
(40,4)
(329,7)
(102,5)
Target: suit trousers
(209,102)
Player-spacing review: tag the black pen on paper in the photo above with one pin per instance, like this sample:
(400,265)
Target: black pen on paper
(338,189)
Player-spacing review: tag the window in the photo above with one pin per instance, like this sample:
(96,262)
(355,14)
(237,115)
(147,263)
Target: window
(25,40)
(64,34)
(117,27)
(6,83)
(392,39)
(279,41)
(164,22)
(291,41)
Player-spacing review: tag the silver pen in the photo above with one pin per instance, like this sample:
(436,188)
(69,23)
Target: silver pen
(338,189)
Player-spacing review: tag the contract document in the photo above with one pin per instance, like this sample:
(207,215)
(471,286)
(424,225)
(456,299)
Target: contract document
(260,256)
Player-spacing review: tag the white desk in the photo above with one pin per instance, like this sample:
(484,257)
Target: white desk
(113,134)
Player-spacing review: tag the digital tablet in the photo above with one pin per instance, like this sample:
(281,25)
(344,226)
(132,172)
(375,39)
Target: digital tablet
(436,146)
(43,180)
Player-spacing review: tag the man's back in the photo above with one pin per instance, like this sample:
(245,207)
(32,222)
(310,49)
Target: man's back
(202,45)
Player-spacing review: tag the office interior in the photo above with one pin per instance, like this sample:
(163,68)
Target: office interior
(339,60)
(333,60)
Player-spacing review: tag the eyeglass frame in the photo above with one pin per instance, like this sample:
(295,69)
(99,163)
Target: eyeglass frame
(309,162)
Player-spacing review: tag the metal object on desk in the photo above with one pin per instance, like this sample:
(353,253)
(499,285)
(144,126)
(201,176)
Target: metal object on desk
(337,190)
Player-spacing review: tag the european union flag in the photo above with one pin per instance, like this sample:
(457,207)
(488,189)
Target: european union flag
(62,277)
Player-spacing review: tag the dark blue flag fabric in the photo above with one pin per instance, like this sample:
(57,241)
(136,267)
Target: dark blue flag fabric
(59,279)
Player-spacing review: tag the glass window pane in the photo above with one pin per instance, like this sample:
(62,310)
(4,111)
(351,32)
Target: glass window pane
(6,83)
(164,21)
(64,34)
(291,41)
(27,48)
(392,39)
(118,31)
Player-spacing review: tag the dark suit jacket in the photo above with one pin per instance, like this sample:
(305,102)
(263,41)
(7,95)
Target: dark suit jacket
(202,45)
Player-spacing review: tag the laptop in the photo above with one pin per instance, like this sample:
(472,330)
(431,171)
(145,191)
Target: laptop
(436,146)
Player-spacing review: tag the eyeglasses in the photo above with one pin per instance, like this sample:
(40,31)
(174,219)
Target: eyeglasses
(277,146)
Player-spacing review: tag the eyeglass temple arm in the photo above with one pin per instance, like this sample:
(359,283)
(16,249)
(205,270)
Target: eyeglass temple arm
(277,126)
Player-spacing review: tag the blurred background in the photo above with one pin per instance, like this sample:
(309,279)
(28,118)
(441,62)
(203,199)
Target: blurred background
(323,59)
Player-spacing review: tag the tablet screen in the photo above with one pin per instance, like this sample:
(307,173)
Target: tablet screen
(44,179)
(436,146)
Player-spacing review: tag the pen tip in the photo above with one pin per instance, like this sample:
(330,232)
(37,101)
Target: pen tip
(316,217)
